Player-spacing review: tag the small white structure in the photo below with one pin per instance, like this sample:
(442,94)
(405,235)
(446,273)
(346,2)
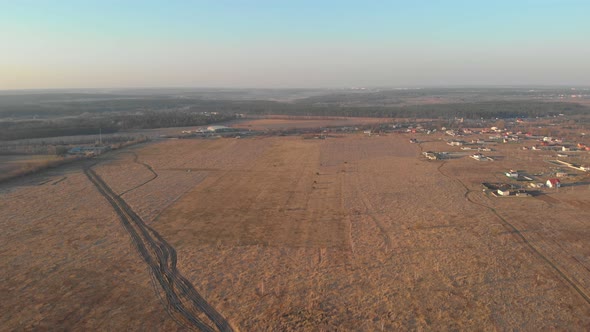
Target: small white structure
(432,155)
(504,192)
(216,129)
(455,143)
(480,157)
(512,174)
(451,132)
(477,156)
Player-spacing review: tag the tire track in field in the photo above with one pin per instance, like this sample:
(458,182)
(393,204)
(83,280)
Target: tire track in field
(184,303)
(510,227)
(369,211)
(154,174)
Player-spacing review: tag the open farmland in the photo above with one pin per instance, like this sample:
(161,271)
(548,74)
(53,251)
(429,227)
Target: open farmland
(353,233)
(12,165)
(277,122)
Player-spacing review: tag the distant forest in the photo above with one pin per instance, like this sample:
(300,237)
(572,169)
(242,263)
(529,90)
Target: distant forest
(486,110)
(21,129)
(60,114)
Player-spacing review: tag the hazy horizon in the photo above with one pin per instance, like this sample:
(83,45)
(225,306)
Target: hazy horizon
(107,89)
(278,44)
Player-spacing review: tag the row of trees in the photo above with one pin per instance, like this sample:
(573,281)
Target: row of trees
(486,110)
(107,123)
(114,115)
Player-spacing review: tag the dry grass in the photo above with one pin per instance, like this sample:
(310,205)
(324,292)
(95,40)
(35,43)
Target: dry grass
(284,234)
(66,263)
(18,166)
(301,122)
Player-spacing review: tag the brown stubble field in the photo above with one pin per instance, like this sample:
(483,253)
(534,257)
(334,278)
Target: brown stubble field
(67,264)
(278,122)
(286,234)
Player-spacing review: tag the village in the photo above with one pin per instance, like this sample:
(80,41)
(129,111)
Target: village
(557,161)
(549,162)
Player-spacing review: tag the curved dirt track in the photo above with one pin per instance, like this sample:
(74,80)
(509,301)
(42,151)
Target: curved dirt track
(518,234)
(148,167)
(184,303)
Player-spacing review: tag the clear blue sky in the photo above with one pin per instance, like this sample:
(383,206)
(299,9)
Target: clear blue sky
(249,43)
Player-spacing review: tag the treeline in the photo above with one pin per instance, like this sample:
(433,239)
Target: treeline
(486,110)
(115,106)
(111,123)
(48,108)
(385,104)
(37,116)
(163,119)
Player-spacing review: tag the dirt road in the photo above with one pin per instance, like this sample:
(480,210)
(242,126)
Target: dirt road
(184,303)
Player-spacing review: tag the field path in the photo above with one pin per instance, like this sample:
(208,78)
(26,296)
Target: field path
(512,229)
(184,303)
(148,167)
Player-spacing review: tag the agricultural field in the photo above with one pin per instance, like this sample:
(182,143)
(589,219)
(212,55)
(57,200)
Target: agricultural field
(349,233)
(11,165)
(299,122)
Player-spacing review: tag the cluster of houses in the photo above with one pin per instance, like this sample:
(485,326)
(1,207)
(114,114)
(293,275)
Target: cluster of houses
(555,144)
(518,176)
(210,130)
(458,132)
(511,190)
(505,190)
(474,145)
(478,148)
(455,143)
(414,129)
(88,150)
(500,135)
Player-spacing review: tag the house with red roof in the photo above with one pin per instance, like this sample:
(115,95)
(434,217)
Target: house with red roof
(553,183)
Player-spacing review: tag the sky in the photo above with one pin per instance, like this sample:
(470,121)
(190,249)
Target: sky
(292,44)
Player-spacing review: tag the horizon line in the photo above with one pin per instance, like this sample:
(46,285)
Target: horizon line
(359,87)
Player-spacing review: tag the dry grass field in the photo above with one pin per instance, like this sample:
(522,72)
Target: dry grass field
(14,165)
(299,122)
(352,233)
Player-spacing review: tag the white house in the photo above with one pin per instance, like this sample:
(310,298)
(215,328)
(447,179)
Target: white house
(512,174)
